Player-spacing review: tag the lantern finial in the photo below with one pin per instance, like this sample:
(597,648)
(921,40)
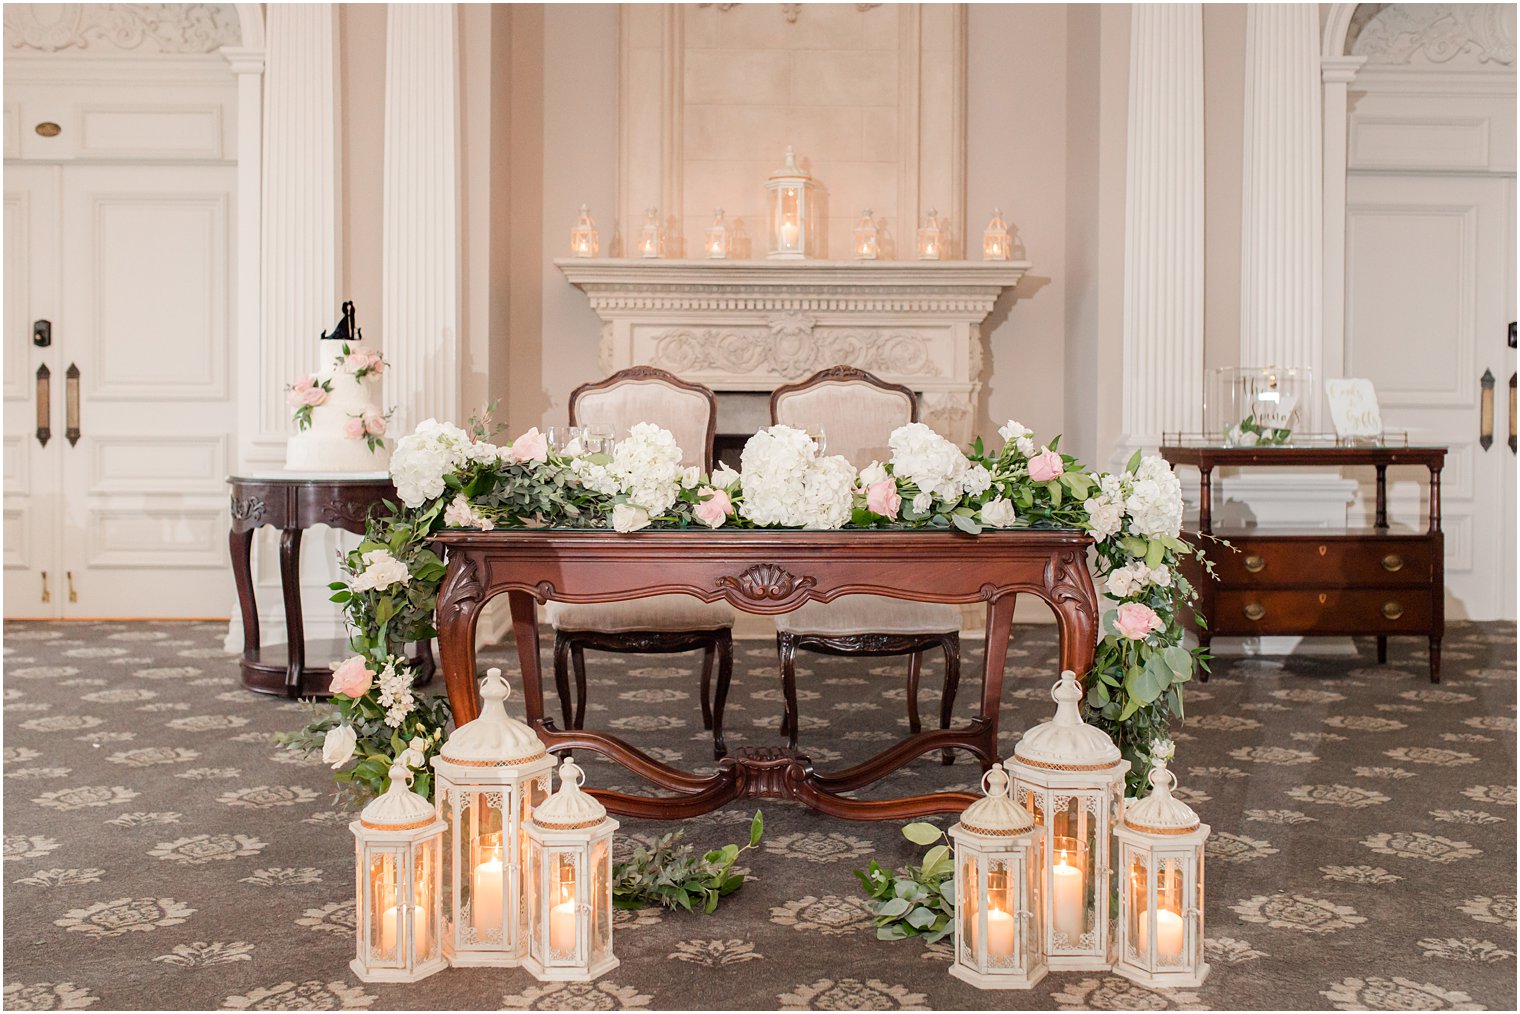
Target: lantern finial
(996,814)
(569,807)
(1066,742)
(494,737)
(1161,812)
(398,807)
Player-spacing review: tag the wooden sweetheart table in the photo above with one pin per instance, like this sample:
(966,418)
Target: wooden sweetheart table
(766,572)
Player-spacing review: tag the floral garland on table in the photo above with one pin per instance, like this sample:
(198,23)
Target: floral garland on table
(448,477)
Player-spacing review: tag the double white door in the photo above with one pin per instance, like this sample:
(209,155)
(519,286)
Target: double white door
(118,413)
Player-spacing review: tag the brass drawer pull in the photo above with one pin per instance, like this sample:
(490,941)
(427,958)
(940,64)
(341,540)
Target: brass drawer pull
(1393,563)
(1255,610)
(1392,610)
(1255,564)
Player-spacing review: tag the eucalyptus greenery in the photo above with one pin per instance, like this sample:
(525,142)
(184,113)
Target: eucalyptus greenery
(673,876)
(917,900)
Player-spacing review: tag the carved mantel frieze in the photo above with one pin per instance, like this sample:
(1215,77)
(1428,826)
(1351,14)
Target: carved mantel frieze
(753,325)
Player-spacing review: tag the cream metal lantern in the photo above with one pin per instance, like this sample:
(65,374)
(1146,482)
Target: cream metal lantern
(396,844)
(1161,844)
(584,240)
(931,239)
(998,873)
(490,774)
(570,884)
(1070,777)
(995,243)
(718,238)
(867,244)
(792,195)
(652,237)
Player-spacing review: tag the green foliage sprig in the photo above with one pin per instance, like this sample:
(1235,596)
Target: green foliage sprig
(917,900)
(673,876)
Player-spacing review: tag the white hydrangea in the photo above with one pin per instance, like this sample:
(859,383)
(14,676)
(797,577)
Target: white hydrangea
(787,483)
(381,570)
(1134,577)
(1105,511)
(430,452)
(932,463)
(594,477)
(1154,502)
(827,492)
(395,683)
(647,467)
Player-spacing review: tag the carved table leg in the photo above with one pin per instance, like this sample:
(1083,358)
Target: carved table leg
(725,652)
(951,645)
(295,627)
(525,633)
(708,657)
(915,669)
(562,677)
(999,622)
(459,602)
(241,545)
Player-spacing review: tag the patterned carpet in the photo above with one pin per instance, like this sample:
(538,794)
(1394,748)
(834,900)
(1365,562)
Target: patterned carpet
(161,852)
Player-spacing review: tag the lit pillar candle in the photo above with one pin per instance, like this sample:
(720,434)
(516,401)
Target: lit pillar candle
(788,233)
(562,928)
(486,892)
(1169,926)
(390,930)
(999,934)
(1067,906)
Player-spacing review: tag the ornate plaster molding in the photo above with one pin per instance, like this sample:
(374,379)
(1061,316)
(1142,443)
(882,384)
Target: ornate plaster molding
(115,28)
(1448,34)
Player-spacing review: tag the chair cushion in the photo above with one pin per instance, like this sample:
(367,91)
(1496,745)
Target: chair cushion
(870,614)
(665,613)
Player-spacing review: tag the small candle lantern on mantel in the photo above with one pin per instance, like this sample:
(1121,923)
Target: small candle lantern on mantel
(570,884)
(1070,777)
(995,243)
(397,848)
(652,237)
(930,238)
(718,238)
(998,850)
(792,194)
(867,238)
(584,241)
(1161,843)
(491,773)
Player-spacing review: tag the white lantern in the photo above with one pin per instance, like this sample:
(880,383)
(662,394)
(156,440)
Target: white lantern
(792,195)
(584,241)
(718,238)
(995,243)
(396,897)
(1070,777)
(570,884)
(867,238)
(1161,844)
(998,849)
(490,774)
(652,237)
(931,239)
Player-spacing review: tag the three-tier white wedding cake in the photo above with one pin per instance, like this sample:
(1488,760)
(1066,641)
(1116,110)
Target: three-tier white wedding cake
(337,409)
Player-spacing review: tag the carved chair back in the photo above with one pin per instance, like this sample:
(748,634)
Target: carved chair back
(646,394)
(856,410)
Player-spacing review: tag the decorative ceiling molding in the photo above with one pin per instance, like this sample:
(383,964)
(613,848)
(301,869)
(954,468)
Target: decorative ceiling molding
(1447,34)
(117,28)
(789,11)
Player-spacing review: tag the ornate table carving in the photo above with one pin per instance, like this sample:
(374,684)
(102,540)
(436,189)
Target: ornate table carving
(766,572)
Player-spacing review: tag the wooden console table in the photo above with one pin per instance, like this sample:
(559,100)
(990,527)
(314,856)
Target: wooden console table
(1378,581)
(767,572)
(292,504)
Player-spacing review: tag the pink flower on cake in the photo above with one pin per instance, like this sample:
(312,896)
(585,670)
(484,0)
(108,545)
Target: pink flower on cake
(354,427)
(364,360)
(1135,621)
(1045,466)
(374,423)
(882,498)
(713,511)
(351,678)
(531,446)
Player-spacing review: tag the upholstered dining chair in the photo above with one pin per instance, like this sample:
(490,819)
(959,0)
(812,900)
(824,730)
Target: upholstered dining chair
(658,624)
(856,412)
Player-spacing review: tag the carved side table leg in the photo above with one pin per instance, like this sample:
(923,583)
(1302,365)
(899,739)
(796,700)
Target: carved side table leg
(241,545)
(525,633)
(295,626)
(999,623)
(459,602)
(725,651)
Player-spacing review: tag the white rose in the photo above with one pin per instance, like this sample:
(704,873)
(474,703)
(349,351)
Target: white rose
(724,477)
(690,477)
(628,518)
(1247,439)
(999,513)
(1013,430)
(338,745)
(1026,446)
(922,502)
(381,570)
(872,474)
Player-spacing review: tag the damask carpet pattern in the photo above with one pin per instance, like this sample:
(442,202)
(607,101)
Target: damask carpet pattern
(160,851)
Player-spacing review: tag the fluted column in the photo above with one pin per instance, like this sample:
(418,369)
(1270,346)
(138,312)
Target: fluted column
(302,210)
(420,256)
(1163,235)
(1337,73)
(1282,238)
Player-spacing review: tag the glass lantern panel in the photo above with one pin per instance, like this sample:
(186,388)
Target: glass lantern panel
(534,899)
(1137,904)
(530,794)
(1170,920)
(789,220)
(1002,913)
(562,875)
(448,855)
(1074,854)
(601,899)
(383,891)
(967,896)
(484,892)
(1034,925)
(424,888)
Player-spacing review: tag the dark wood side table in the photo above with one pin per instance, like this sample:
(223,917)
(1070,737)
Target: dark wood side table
(1378,581)
(293,504)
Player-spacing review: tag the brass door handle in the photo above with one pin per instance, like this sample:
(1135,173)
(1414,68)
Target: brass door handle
(69,576)
(1255,564)
(47,596)
(1393,563)
(1486,410)
(1512,413)
(1255,610)
(1392,610)
(44,406)
(71,404)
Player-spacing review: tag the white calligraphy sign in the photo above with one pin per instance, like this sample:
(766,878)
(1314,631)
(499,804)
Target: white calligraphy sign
(1354,407)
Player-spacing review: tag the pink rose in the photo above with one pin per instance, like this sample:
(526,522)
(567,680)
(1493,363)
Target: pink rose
(882,498)
(351,678)
(374,423)
(376,364)
(354,428)
(715,509)
(313,395)
(1045,466)
(531,446)
(295,398)
(1135,621)
(357,359)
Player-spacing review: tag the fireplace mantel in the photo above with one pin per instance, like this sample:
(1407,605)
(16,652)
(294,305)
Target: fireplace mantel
(754,325)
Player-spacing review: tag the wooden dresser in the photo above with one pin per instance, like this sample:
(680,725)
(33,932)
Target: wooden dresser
(1377,581)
